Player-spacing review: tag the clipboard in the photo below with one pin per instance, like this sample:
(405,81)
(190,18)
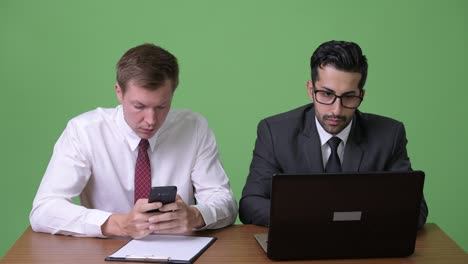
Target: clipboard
(163,249)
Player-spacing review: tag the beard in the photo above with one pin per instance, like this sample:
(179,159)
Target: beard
(334,124)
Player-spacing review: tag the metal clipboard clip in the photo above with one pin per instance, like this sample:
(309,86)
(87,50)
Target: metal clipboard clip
(150,258)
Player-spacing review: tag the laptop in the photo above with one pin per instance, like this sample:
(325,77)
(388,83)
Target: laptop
(344,215)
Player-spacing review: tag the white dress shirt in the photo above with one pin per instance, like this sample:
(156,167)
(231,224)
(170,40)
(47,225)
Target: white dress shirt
(95,157)
(325,136)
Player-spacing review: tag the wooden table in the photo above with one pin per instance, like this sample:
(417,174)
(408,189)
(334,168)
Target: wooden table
(235,244)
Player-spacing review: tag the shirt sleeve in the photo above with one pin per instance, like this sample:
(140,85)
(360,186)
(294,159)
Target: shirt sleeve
(67,174)
(212,191)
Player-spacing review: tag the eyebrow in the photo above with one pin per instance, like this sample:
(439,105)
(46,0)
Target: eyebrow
(137,102)
(333,91)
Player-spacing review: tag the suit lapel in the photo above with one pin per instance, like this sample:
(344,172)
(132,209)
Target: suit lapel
(354,150)
(310,142)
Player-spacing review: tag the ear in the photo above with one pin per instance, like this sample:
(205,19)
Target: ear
(363,93)
(119,92)
(310,90)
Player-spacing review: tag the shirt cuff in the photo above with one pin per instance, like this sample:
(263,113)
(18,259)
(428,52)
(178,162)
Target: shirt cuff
(97,218)
(207,216)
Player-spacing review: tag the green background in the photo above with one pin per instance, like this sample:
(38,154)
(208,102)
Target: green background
(240,61)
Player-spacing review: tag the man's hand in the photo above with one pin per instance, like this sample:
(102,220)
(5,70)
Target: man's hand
(134,224)
(177,217)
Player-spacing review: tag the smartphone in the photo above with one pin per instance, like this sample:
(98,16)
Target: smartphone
(162,194)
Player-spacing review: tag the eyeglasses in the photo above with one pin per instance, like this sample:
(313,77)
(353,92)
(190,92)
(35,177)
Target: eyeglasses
(328,98)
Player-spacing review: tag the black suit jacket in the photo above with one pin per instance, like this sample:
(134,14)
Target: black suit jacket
(289,142)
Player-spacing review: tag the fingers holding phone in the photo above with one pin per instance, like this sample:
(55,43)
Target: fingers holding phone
(132,224)
(136,223)
(162,194)
(178,217)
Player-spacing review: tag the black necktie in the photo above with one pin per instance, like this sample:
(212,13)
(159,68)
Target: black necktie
(333,164)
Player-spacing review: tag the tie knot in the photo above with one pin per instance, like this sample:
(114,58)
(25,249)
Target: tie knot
(143,144)
(334,142)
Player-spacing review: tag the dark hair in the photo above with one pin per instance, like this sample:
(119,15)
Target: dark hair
(148,66)
(342,55)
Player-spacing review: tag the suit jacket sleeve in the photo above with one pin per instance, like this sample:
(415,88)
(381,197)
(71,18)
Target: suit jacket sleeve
(254,206)
(400,161)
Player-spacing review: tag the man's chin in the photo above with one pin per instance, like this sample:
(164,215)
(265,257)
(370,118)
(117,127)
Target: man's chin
(334,129)
(146,135)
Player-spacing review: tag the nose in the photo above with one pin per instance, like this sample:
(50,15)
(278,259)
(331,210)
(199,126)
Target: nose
(336,107)
(151,117)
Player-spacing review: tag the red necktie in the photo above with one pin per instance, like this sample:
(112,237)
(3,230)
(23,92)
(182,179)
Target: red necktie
(142,171)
